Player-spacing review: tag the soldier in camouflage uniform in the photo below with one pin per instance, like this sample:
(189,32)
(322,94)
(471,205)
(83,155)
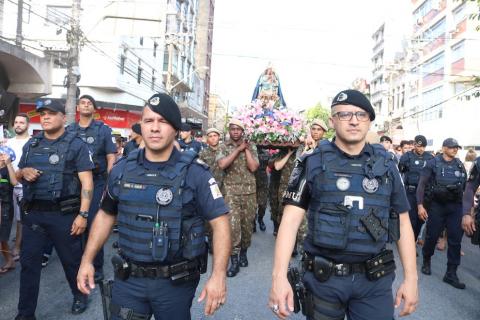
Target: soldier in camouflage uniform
(239,159)
(209,156)
(262,188)
(285,161)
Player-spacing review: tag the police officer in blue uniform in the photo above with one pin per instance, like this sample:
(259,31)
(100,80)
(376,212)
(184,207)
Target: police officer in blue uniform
(186,141)
(411,165)
(160,198)
(446,177)
(56,174)
(468,221)
(352,192)
(98,138)
(135,139)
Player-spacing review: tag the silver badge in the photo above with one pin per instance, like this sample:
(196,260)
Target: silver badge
(47,102)
(155,101)
(417,162)
(342,97)
(53,159)
(458,174)
(164,196)
(370,185)
(343,184)
(90,140)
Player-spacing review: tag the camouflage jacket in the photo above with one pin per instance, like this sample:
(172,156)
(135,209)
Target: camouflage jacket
(238,179)
(209,156)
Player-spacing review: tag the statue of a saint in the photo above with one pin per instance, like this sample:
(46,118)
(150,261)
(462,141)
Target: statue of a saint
(268,88)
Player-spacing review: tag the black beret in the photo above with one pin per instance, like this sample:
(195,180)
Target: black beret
(385,138)
(137,128)
(420,140)
(53,105)
(89,97)
(165,106)
(356,98)
(185,127)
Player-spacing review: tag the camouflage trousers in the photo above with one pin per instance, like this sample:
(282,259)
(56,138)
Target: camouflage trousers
(302,230)
(262,191)
(242,214)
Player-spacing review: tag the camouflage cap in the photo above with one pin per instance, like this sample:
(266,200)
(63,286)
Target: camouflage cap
(236,122)
(320,123)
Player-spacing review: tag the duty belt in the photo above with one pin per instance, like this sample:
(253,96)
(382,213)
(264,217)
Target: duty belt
(152,272)
(44,205)
(339,269)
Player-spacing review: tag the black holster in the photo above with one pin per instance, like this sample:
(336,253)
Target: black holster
(295,280)
(121,267)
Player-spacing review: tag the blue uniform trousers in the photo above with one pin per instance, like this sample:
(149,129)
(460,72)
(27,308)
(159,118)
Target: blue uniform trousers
(443,215)
(154,296)
(99,186)
(416,222)
(56,227)
(354,296)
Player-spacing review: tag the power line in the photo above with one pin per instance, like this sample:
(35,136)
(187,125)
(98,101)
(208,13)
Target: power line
(440,103)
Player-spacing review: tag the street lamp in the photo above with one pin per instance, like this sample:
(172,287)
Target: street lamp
(169,90)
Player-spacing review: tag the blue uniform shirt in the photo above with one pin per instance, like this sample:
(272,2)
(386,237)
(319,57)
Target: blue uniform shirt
(303,177)
(207,199)
(193,145)
(78,157)
(104,142)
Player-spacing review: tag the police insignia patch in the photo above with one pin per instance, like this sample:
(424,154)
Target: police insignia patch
(458,174)
(342,97)
(215,190)
(343,184)
(370,185)
(417,162)
(155,101)
(90,140)
(53,159)
(164,196)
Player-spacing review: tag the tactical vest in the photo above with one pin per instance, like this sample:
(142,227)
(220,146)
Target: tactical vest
(415,165)
(6,191)
(345,191)
(449,180)
(92,138)
(153,200)
(56,181)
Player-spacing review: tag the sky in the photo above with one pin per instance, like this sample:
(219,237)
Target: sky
(317,47)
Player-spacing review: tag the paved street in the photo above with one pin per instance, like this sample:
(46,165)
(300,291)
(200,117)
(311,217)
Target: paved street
(248,292)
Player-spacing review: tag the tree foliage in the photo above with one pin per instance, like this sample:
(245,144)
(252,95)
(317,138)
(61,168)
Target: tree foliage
(319,112)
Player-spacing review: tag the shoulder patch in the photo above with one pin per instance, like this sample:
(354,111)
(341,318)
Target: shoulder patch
(202,163)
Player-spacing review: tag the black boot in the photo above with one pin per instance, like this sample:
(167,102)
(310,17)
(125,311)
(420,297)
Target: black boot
(426,267)
(275,228)
(261,224)
(451,277)
(234,267)
(243,258)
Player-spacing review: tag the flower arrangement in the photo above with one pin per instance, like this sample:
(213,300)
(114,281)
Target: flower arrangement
(269,125)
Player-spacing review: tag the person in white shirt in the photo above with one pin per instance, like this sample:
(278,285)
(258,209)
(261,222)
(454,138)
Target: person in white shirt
(21,124)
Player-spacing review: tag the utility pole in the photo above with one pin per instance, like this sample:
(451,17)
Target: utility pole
(19,36)
(73,73)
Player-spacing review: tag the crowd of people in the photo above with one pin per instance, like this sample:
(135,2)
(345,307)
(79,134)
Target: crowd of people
(165,191)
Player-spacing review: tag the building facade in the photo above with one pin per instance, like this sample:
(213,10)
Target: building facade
(444,63)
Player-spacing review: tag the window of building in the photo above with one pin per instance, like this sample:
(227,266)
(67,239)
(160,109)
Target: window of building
(59,15)
(458,51)
(434,64)
(460,13)
(165,59)
(141,41)
(436,31)
(432,104)
(155,47)
(154,79)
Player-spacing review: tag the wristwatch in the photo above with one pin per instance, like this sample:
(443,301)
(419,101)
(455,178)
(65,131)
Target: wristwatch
(83,214)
